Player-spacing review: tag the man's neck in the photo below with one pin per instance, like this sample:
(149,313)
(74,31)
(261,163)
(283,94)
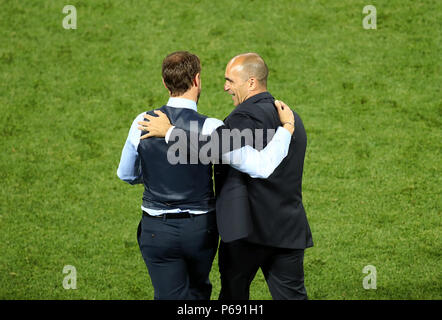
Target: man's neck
(254,93)
(189,96)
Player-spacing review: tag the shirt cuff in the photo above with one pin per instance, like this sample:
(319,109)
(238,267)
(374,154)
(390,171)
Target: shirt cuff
(286,135)
(168,133)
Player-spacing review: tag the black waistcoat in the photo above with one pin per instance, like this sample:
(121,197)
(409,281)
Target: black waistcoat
(169,186)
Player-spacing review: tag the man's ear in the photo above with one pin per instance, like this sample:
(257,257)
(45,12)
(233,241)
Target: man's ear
(165,85)
(197,79)
(252,83)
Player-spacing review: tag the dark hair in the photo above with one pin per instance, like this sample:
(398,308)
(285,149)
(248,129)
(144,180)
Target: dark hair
(179,69)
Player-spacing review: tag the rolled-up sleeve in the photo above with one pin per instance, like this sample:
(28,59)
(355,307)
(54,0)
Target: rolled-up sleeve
(243,157)
(260,164)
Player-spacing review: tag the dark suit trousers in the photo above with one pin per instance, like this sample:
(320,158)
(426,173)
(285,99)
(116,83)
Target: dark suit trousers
(178,254)
(282,268)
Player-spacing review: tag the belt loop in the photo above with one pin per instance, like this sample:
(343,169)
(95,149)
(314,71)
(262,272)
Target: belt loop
(164,216)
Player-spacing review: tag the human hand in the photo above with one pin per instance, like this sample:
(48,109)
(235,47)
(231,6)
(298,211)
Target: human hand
(286,116)
(156,126)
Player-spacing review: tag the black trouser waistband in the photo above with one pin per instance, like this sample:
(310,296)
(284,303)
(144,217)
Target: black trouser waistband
(177,215)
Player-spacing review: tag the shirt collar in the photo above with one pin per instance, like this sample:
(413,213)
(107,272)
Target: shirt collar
(259,96)
(182,103)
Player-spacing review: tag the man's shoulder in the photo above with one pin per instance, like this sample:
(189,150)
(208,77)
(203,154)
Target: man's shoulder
(257,105)
(139,117)
(260,113)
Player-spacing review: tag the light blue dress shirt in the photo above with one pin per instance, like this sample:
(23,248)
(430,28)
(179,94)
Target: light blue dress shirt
(257,164)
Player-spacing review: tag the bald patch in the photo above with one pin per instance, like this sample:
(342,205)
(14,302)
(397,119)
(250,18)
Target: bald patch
(250,65)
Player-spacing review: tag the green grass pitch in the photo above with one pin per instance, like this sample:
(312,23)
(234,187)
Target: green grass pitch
(370,101)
